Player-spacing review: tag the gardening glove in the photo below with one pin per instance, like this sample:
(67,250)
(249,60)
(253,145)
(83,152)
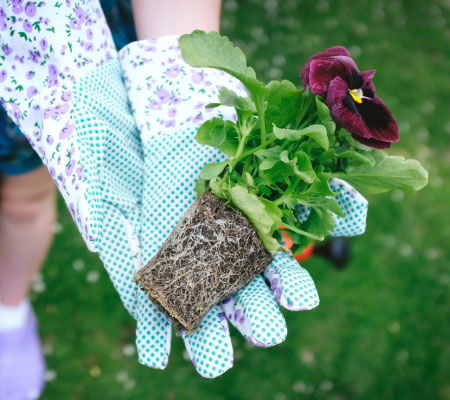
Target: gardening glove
(61,82)
(168,100)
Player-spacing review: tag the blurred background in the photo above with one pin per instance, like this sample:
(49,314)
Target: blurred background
(383,326)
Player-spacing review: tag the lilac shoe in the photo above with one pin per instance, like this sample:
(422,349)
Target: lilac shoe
(22,365)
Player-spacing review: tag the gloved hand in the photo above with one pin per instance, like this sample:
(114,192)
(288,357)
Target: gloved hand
(61,81)
(168,99)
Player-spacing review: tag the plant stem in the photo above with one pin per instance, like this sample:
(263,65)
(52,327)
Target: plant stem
(262,122)
(302,232)
(260,147)
(308,120)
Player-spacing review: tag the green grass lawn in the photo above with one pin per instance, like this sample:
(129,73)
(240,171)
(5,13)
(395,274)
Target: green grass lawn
(383,326)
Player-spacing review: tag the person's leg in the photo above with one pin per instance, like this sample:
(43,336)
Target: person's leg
(27,215)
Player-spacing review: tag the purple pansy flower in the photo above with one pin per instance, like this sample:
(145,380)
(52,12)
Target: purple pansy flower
(350,95)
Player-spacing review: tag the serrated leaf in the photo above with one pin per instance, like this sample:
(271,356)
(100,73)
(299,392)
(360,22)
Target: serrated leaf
(210,50)
(318,133)
(255,210)
(389,172)
(212,170)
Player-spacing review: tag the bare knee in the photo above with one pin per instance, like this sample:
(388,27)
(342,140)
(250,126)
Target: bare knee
(27,198)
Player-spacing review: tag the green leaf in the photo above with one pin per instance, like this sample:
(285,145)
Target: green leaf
(275,214)
(219,134)
(268,163)
(357,156)
(201,186)
(320,201)
(231,99)
(269,156)
(283,103)
(303,168)
(389,172)
(317,133)
(210,50)
(279,173)
(323,112)
(319,222)
(212,132)
(272,152)
(320,187)
(216,187)
(249,179)
(212,170)
(255,209)
(302,232)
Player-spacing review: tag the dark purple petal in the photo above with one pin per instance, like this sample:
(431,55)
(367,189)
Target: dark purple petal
(330,52)
(323,71)
(370,122)
(377,144)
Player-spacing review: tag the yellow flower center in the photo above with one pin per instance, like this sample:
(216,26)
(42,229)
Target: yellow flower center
(357,95)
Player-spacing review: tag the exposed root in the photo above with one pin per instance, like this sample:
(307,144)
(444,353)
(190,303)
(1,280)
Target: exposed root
(212,253)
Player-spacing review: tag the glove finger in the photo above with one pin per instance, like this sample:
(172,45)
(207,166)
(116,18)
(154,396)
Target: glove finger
(354,206)
(254,312)
(209,346)
(291,284)
(153,334)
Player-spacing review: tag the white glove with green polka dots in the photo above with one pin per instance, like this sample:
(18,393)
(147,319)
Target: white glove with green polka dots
(168,100)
